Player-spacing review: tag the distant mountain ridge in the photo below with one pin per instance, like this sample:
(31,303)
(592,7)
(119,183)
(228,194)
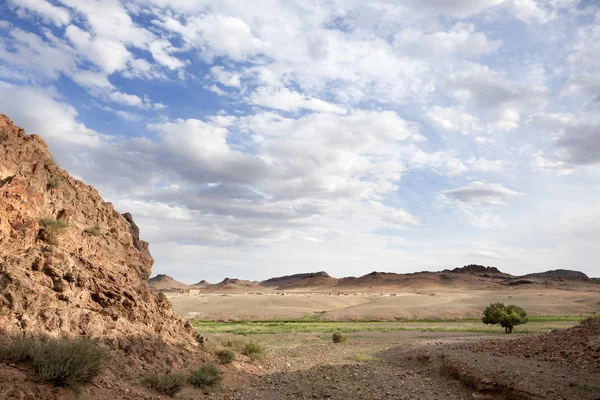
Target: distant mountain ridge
(472,276)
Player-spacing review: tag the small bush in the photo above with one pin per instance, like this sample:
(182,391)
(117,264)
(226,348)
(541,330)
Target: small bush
(68,363)
(206,375)
(254,350)
(62,362)
(18,349)
(339,337)
(166,384)
(94,230)
(225,356)
(52,183)
(53,228)
(53,224)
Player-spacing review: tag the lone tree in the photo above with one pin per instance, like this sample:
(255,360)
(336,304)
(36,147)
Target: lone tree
(506,316)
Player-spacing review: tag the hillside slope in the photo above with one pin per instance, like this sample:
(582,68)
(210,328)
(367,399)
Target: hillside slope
(70,264)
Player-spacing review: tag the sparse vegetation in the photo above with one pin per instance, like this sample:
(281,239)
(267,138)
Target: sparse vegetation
(505,316)
(169,384)
(536,324)
(94,230)
(62,362)
(52,183)
(254,350)
(587,388)
(225,356)
(339,337)
(206,375)
(53,228)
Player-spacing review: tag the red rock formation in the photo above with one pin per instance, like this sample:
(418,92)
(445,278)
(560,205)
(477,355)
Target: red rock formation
(69,263)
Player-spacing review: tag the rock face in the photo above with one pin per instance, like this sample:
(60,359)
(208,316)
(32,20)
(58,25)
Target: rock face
(69,263)
(477,269)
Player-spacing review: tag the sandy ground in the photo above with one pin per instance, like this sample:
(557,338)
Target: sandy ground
(402,305)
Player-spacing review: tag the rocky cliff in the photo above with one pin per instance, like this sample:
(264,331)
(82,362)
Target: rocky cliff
(70,264)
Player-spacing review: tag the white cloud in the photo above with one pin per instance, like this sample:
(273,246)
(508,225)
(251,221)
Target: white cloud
(217,35)
(107,54)
(59,16)
(29,51)
(575,140)
(455,119)
(125,99)
(161,51)
(460,40)
(225,78)
(39,111)
(287,100)
(479,87)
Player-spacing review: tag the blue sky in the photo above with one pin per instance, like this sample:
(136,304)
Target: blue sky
(339,135)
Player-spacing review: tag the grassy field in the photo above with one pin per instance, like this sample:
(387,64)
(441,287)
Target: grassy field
(539,324)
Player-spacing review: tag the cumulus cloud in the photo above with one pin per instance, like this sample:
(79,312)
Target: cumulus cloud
(575,140)
(320,133)
(478,86)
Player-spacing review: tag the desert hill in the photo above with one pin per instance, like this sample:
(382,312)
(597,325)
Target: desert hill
(281,281)
(560,274)
(166,283)
(70,263)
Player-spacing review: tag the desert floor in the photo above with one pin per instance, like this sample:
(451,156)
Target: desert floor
(437,304)
(396,365)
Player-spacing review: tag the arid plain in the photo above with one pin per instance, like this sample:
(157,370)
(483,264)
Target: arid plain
(438,304)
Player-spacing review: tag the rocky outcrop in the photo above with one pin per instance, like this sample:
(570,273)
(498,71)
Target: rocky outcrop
(70,264)
(477,269)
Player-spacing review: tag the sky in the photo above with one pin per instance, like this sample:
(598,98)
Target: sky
(272,137)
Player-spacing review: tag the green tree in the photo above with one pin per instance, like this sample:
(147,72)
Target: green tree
(505,316)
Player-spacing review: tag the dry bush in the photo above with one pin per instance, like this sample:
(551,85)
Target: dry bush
(225,356)
(339,337)
(206,375)
(166,384)
(62,362)
(254,350)
(94,230)
(53,228)
(52,183)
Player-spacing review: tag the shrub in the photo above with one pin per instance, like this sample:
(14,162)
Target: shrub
(94,230)
(53,224)
(62,362)
(339,337)
(206,375)
(254,350)
(167,384)
(53,228)
(52,183)
(225,356)
(505,316)
(19,349)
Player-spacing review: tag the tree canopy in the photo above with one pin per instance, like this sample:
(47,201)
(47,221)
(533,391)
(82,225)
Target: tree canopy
(505,316)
